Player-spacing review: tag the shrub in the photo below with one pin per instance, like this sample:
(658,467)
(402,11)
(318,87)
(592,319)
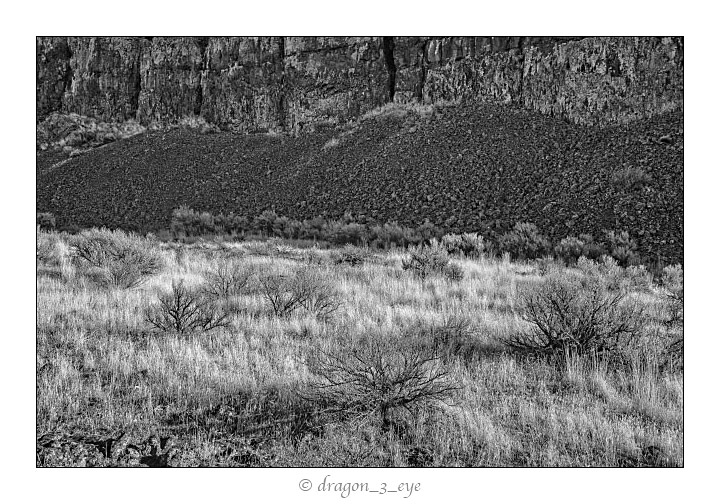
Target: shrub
(287,228)
(466,244)
(451,339)
(673,282)
(427,231)
(115,258)
(638,277)
(185,310)
(312,228)
(568,314)
(45,220)
(547,265)
(351,255)
(391,233)
(341,234)
(187,222)
(524,242)
(424,261)
(306,289)
(44,247)
(570,249)
(376,378)
(227,279)
(591,249)
(454,272)
(606,271)
(265,222)
(622,248)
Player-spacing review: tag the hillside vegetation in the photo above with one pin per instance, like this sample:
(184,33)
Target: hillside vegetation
(265,354)
(464,168)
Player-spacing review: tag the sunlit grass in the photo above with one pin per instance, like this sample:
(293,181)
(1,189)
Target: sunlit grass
(231,396)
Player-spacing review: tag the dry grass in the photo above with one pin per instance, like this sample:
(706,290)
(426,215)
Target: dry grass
(237,396)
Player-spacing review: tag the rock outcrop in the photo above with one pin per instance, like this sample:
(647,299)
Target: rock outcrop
(289,83)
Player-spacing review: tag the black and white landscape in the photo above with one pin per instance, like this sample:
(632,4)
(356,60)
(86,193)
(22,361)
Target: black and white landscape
(360,251)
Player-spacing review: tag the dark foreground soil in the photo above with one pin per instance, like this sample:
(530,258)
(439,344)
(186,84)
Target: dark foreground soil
(474,168)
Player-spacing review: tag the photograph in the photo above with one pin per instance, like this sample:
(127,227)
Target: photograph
(360,252)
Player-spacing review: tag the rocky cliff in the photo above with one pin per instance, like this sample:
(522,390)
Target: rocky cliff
(290,83)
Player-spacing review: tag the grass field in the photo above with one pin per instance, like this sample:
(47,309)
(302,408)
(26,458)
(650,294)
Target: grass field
(374,366)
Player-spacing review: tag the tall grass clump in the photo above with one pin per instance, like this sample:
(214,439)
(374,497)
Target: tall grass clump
(44,247)
(579,315)
(114,258)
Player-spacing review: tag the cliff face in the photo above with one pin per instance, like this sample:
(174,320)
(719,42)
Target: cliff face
(288,83)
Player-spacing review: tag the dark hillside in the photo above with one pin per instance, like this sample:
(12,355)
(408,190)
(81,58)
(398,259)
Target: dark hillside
(465,168)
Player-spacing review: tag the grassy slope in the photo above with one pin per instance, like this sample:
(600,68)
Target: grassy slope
(463,167)
(101,373)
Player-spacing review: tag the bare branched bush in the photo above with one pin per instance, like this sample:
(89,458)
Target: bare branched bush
(427,260)
(577,315)
(114,258)
(228,279)
(184,310)
(306,289)
(376,378)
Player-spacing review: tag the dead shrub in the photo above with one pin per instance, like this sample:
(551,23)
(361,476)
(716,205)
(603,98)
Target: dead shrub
(576,315)
(184,310)
(379,379)
(228,279)
(306,289)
